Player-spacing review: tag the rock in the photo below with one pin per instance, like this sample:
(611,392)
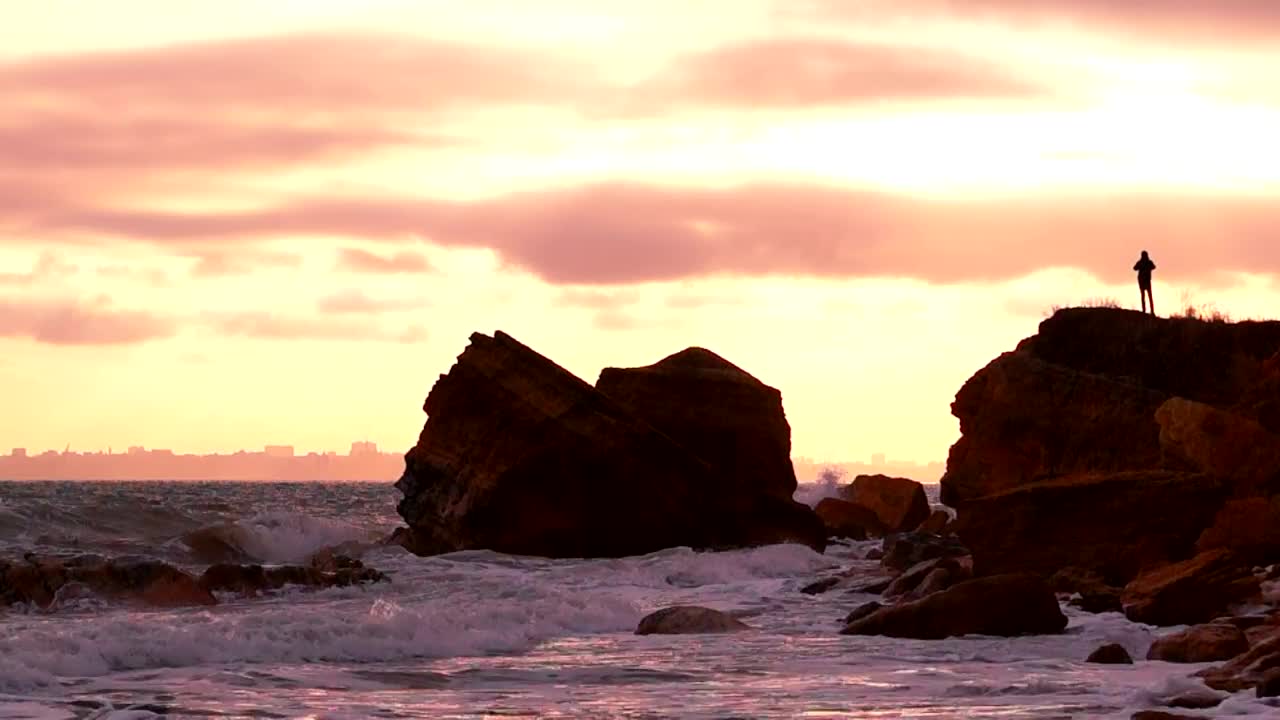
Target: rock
(215,544)
(1189,592)
(38,581)
(917,574)
(715,410)
(818,587)
(904,550)
(938,579)
(1074,579)
(1111,654)
(1196,700)
(1219,443)
(850,520)
(900,503)
(1212,642)
(936,523)
(1247,526)
(1247,670)
(519,456)
(1004,605)
(1114,525)
(862,611)
(1161,715)
(1098,601)
(252,580)
(330,561)
(684,619)
(875,554)
(1269,686)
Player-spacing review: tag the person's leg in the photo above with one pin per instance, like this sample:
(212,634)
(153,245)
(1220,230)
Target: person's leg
(1152,299)
(1142,294)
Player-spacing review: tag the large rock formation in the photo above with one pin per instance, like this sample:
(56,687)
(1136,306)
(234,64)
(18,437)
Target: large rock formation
(1110,441)
(900,503)
(1004,605)
(520,456)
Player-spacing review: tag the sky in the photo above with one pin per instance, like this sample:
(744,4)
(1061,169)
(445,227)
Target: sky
(235,223)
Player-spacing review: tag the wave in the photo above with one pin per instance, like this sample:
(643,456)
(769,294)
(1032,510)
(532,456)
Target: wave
(273,537)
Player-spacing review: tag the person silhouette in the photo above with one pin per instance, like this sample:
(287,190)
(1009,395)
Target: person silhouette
(1144,266)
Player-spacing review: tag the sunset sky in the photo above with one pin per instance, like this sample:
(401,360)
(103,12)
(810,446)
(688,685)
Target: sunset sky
(227,224)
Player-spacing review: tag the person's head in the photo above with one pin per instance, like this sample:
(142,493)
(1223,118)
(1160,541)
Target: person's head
(1144,254)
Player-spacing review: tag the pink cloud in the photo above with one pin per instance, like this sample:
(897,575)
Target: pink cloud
(814,71)
(354,302)
(357,260)
(47,266)
(619,233)
(266,325)
(241,261)
(79,323)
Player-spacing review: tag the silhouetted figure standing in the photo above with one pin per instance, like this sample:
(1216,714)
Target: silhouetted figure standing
(1144,266)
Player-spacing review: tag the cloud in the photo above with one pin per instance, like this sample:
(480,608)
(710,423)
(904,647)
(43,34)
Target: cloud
(267,325)
(241,261)
(363,261)
(817,71)
(47,266)
(80,323)
(616,234)
(1216,22)
(353,302)
(598,299)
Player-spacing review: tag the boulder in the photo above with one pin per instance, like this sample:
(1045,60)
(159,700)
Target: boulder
(862,611)
(905,550)
(1161,715)
(38,580)
(1189,592)
(1099,601)
(1211,642)
(520,456)
(715,410)
(936,523)
(1220,443)
(1248,526)
(1269,685)
(1112,525)
(939,573)
(900,503)
(842,518)
(1004,605)
(1247,670)
(252,580)
(1111,654)
(687,619)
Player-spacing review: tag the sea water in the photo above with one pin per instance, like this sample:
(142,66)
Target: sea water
(480,634)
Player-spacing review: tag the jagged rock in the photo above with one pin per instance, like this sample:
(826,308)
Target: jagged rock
(875,554)
(686,619)
(818,587)
(904,550)
(849,520)
(715,410)
(1211,642)
(1269,685)
(948,570)
(1114,525)
(899,503)
(251,580)
(1004,605)
(1189,592)
(38,580)
(1111,654)
(520,456)
(1248,670)
(936,523)
(862,611)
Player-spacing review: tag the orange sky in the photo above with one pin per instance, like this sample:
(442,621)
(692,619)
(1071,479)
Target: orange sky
(237,223)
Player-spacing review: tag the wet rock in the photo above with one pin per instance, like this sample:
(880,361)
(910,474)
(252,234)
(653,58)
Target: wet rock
(1189,592)
(899,503)
(1101,601)
(848,520)
(520,456)
(1245,671)
(1269,685)
(1161,715)
(820,586)
(686,619)
(862,611)
(1196,700)
(875,554)
(948,571)
(216,544)
(1111,654)
(1004,605)
(936,523)
(904,550)
(1212,642)
(39,580)
(938,579)
(252,580)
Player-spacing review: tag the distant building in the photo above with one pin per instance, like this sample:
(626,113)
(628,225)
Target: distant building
(877,459)
(278,451)
(18,452)
(137,450)
(363,448)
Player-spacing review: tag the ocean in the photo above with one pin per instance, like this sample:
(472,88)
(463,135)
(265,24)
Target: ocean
(479,634)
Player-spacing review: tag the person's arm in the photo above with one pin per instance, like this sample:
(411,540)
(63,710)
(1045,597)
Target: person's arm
(1137,267)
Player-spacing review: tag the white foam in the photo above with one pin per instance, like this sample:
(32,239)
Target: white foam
(289,537)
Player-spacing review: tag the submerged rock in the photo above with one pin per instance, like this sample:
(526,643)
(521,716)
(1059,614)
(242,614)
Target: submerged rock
(1004,605)
(688,619)
(520,456)
(37,581)
(862,611)
(1211,642)
(1111,654)
(899,503)
(252,580)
